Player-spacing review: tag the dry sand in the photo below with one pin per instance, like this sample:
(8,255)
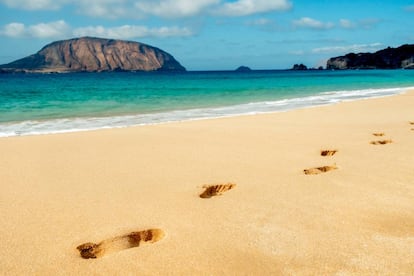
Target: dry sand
(60,191)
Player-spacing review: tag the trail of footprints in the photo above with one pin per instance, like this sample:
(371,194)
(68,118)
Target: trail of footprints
(135,239)
(380,142)
(324,169)
(92,250)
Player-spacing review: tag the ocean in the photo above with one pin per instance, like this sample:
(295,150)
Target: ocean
(32,104)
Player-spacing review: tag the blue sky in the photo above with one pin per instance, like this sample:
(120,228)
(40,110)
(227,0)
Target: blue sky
(214,34)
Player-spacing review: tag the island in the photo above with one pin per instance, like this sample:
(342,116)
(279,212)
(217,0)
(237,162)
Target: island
(91,54)
(299,67)
(243,69)
(389,58)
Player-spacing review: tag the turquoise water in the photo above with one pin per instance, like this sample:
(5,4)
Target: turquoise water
(51,103)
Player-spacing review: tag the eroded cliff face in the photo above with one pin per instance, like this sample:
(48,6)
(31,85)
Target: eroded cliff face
(88,54)
(390,58)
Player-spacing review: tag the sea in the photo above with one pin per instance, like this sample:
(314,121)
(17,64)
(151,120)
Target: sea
(34,104)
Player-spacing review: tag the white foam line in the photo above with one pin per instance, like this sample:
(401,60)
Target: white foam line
(94,123)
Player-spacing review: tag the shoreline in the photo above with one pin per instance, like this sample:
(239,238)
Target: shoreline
(80,124)
(62,191)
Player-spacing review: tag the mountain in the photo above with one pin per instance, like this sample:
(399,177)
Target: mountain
(389,58)
(88,54)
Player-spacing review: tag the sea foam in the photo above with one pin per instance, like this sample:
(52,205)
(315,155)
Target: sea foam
(95,123)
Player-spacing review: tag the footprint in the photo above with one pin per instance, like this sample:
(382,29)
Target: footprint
(381,142)
(378,134)
(133,239)
(319,170)
(215,190)
(411,123)
(328,152)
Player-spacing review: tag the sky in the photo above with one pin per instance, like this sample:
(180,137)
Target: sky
(214,34)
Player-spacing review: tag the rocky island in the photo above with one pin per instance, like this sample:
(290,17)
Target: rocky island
(299,67)
(89,54)
(243,69)
(389,58)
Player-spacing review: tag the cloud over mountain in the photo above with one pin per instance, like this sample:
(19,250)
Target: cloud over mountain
(60,29)
(159,8)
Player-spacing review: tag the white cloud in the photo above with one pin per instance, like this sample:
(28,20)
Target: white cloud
(49,30)
(34,4)
(356,48)
(56,29)
(248,7)
(264,24)
(128,31)
(105,8)
(260,22)
(297,53)
(369,23)
(307,22)
(13,30)
(160,8)
(174,8)
(59,29)
(347,24)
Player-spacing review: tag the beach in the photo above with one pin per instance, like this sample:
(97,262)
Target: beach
(59,191)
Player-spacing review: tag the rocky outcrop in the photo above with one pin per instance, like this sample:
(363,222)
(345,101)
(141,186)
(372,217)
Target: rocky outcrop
(89,54)
(243,69)
(299,67)
(390,58)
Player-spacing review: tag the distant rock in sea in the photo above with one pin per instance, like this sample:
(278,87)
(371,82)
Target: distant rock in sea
(88,54)
(389,58)
(243,69)
(299,67)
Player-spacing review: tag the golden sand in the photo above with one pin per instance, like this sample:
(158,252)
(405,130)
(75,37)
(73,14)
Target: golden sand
(61,191)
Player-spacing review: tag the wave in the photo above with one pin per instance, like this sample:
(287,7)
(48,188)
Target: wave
(95,123)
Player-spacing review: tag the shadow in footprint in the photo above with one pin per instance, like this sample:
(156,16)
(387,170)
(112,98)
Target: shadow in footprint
(215,190)
(381,142)
(319,170)
(95,250)
(328,152)
(378,134)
